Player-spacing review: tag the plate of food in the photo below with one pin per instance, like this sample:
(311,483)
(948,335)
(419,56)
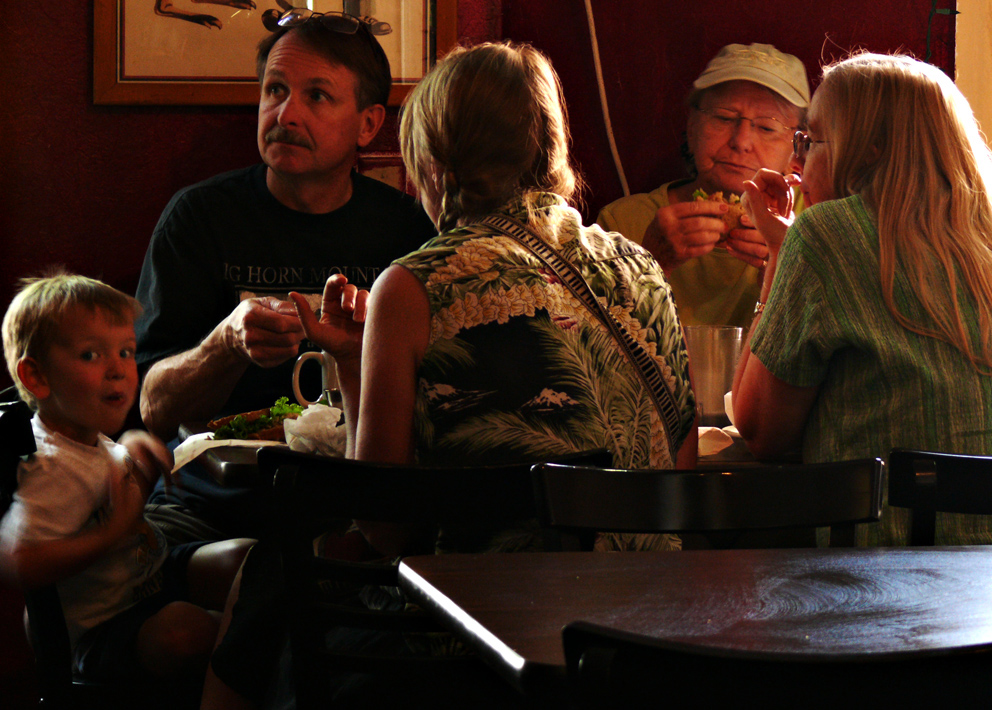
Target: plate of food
(316,428)
(262,427)
(258,425)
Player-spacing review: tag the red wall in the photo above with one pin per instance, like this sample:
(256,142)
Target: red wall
(84,185)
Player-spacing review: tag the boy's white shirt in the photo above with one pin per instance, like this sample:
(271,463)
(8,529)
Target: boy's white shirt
(63,489)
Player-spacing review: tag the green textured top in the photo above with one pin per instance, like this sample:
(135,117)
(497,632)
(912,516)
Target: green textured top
(881,385)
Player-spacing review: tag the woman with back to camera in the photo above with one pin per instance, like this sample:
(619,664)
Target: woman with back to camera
(475,349)
(874,325)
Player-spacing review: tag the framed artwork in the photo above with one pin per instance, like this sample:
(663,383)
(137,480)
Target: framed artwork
(202,52)
(387,167)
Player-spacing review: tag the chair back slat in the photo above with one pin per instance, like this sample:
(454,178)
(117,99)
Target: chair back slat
(381,492)
(752,498)
(928,482)
(16,441)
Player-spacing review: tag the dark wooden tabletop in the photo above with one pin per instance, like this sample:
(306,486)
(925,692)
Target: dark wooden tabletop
(826,604)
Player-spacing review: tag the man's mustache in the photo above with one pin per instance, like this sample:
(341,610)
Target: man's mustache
(278,134)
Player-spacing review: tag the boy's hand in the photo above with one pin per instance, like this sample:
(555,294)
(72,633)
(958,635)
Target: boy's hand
(127,504)
(35,564)
(150,456)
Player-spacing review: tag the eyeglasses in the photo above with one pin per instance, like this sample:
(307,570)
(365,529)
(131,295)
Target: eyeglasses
(801,143)
(721,121)
(335,21)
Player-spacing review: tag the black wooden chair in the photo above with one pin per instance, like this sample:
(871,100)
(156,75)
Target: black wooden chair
(313,494)
(580,501)
(930,481)
(58,689)
(608,669)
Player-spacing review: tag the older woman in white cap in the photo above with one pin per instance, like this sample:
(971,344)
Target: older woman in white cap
(743,111)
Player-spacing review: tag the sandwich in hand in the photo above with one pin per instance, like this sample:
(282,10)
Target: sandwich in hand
(263,424)
(732,217)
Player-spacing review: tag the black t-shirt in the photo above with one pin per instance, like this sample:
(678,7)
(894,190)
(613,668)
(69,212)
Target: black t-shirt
(227,239)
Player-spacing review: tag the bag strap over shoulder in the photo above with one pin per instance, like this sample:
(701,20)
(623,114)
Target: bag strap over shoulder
(646,366)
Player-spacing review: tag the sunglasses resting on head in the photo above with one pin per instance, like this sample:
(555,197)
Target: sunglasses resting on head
(335,21)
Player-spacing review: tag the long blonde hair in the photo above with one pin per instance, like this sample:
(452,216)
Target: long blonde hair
(491,118)
(904,137)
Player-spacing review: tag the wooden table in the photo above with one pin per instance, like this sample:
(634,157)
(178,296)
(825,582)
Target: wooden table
(818,603)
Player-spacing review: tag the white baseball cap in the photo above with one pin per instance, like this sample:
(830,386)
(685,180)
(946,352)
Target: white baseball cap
(763,64)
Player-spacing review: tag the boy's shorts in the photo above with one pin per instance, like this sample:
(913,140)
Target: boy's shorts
(107,651)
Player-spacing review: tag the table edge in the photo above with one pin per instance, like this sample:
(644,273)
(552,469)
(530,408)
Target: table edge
(515,669)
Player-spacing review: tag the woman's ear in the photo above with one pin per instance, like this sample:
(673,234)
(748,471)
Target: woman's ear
(32,376)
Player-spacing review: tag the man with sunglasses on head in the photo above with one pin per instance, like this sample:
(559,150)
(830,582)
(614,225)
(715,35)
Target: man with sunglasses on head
(218,334)
(743,111)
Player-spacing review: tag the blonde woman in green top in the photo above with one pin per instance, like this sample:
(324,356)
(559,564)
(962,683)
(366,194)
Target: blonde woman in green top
(878,316)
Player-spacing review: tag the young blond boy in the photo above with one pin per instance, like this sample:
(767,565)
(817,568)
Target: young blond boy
(131,604)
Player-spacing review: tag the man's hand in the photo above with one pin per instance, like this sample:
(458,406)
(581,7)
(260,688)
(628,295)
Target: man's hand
(684,231)
(195,384)
(342,320)
(264,331)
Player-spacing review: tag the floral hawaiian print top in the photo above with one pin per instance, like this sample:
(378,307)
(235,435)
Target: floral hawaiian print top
(518,369)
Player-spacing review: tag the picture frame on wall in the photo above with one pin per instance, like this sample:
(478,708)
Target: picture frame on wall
(181,52)
(386,167)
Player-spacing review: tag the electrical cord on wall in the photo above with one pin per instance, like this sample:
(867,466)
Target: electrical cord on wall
(602,99)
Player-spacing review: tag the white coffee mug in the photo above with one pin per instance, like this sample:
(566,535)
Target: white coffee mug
(328,376)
